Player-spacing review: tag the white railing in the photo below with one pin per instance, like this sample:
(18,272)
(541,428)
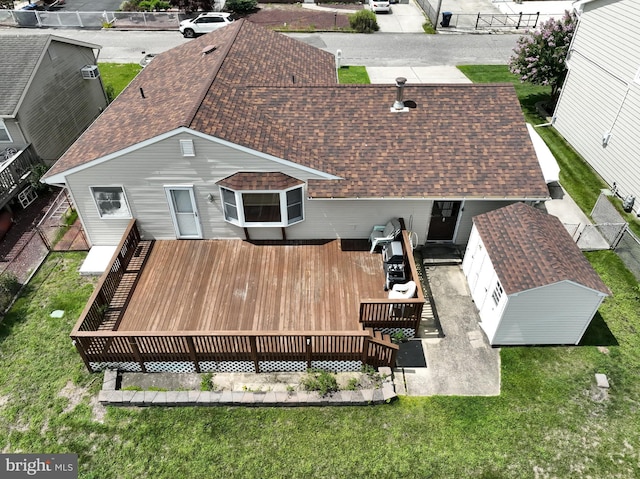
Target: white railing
(62,19)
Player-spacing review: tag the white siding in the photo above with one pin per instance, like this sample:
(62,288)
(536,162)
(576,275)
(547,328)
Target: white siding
(600,94)
(145,172)
(482,280)
(553,314)
(17,139)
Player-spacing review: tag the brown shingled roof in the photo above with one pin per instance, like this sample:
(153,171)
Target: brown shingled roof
(176,81)
(273,94)
(250,180)
(529,249)
(467,141)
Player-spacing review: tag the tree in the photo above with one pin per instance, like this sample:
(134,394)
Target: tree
(540,57)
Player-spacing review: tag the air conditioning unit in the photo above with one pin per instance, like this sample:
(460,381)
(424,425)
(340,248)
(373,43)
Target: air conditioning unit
(90,72)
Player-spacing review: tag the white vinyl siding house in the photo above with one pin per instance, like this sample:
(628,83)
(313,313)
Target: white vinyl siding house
(527,289)
(599,108)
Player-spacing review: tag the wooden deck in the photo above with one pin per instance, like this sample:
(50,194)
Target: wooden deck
(233,285)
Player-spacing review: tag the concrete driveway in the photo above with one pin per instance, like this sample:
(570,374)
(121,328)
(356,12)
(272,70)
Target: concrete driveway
(462,363)
(403,18)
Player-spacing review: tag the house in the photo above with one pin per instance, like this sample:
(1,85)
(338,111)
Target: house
(599,108)
(204,122)
(530,282)
(46,102)
(243,139)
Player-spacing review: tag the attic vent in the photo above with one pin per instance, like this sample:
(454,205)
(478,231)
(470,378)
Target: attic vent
(186,146)
(90,72)
(209,49)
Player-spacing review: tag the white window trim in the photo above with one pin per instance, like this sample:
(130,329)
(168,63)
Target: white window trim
(637,77)
(283,208)
(4,127)
(124,196)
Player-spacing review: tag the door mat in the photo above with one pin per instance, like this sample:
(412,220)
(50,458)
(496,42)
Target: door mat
(411,355)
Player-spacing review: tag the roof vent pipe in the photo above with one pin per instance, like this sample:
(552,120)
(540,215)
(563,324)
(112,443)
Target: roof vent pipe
(398,105)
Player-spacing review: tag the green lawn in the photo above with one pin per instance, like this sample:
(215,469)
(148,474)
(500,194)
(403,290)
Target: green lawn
(549,422)
(116,76)
(353,74)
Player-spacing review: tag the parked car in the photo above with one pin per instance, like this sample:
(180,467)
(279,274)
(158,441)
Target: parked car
(379,6)
(204,23)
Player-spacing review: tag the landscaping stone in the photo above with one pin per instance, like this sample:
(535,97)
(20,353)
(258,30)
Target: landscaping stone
(602,381)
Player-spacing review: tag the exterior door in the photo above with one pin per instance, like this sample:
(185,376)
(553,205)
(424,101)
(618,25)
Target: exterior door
(444,219)
(184,214)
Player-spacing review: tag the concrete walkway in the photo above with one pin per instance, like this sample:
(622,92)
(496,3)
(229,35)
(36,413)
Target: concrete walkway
(436,74)
(461,363)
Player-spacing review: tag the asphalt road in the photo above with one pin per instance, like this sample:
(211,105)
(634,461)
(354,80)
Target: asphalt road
(379,49)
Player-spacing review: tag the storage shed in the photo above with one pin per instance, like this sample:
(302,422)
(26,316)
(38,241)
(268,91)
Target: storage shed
(528,279)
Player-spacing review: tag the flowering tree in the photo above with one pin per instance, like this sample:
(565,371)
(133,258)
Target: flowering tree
(540,57)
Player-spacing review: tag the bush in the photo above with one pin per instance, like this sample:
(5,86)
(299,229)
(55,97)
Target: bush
(319,380)
(9,286)
(364,21)
(241,6)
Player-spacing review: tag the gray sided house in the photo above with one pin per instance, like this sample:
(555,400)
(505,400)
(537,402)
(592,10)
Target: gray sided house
(245,134)
(530,282)
(46,101)
(599,108)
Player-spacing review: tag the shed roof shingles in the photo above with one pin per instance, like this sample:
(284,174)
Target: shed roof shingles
(529,249)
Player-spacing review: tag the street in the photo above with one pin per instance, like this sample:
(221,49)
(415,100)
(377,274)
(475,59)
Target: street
(379,49)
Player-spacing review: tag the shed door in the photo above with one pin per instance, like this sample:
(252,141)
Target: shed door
(182,204)
(444,219)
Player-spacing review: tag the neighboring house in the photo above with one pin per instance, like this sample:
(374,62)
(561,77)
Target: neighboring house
(528,279)
(244,133)
(599,108)
(45,102)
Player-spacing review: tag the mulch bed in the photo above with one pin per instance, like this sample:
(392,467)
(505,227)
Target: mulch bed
(295,17)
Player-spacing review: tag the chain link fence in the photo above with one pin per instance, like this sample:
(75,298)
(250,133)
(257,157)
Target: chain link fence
(62,19)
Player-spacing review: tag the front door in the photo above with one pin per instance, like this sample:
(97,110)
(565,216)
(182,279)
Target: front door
(444,219)
(182,204)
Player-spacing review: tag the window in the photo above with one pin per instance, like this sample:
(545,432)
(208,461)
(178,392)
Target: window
(263,208)
(111,201)
(4,132)
(497,294)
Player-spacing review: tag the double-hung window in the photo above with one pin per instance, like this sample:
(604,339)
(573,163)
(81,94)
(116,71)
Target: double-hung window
(262,199)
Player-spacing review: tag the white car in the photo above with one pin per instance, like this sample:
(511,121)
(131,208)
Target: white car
(204,23)
(379,6)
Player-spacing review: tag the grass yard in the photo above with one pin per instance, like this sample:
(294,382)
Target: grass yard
(117,76)
(550,421)
(353,74)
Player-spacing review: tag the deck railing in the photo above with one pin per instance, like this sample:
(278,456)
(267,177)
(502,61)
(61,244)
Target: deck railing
(99,308)
(15,173)
(97,340)
(396,313)
(196,348)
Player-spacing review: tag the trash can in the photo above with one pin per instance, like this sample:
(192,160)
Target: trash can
(446,19)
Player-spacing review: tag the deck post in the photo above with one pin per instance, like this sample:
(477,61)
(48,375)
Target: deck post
(80,350)
(192,353)
(365,350)
(136,353)
(254,353)
(309,351)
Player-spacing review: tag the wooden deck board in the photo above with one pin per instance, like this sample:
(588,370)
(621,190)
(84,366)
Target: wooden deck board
(229,285)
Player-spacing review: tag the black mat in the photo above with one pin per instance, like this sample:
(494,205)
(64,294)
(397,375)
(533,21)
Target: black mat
(411,355)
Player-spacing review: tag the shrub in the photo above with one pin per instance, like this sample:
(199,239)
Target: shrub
(364,21)
(319,380)
(241,6)
(9,286)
